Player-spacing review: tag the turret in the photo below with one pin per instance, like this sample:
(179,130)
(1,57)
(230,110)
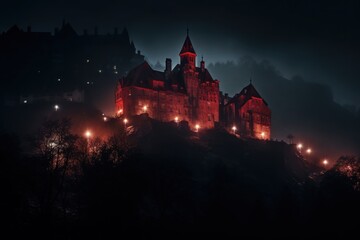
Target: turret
(187,53)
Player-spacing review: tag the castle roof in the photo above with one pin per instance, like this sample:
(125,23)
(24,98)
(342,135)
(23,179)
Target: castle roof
(245,95)
(143,74)
(14,30)
(187,46)
(67,30)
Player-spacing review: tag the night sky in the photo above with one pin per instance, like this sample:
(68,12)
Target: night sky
(310,48)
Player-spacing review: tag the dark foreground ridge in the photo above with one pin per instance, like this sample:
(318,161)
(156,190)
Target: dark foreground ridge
(160,179)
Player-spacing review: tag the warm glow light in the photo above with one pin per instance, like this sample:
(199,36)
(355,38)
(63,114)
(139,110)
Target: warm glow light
(87,134)
(299,146)
(120,111)
(308,151)
(262,135)
(176,119)
(56,107)
(234,128)
(145,108)
(197,127)
(325,162)
(125,121)
(105,119)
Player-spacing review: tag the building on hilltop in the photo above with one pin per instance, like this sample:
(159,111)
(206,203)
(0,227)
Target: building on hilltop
(249,113)
(187,92)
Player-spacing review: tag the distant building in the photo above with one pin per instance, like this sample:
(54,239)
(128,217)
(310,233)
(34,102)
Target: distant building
(187,92)
(53,64)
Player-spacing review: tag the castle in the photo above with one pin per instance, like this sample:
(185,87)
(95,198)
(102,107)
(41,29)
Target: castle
(189,93)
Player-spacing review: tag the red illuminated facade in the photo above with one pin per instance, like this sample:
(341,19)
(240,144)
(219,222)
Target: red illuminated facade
(189,93)
(185,92)
(248,112)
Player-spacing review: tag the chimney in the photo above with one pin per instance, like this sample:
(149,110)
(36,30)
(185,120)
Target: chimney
(167,67)
(138,52)
(202,64)
(115,31)
(29,29)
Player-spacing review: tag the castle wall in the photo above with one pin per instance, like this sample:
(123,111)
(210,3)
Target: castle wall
(159,104)
(255,119)
(166,105)
(208,112)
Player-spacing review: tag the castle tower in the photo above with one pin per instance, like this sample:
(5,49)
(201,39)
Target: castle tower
(188,54)
(187,63)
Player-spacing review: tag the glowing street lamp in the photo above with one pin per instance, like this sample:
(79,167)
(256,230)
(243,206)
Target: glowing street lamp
(88,134)
(56,107)
(145,108)
(308,151)
(125,121)
(105,119)
(197,127)
(325,162)
(234,129)
(299,146)
(176,119)
(262,135)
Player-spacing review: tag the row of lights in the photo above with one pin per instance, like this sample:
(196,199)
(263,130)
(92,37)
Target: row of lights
(234,128)
(300,146)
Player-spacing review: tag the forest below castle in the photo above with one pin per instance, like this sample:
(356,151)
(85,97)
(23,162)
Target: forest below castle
(150,178)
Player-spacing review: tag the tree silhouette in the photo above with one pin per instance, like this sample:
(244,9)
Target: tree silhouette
(55,148)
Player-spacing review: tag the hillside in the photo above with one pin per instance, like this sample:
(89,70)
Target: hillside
(163,180)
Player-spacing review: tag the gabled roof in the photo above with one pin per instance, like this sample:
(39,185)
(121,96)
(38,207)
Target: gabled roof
(67,30)
(14,30)
(246,94)
(204,76)
(187,46)
(141,76)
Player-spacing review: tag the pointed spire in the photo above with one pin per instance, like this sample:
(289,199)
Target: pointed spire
(187,46)
(202,63)
(187,31)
